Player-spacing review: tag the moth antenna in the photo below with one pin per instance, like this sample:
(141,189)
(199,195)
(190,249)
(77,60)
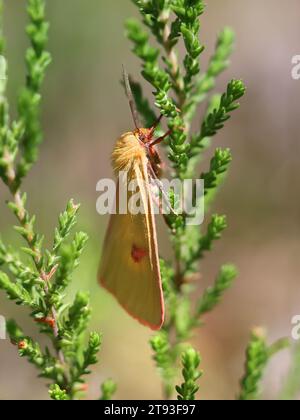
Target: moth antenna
(131,100)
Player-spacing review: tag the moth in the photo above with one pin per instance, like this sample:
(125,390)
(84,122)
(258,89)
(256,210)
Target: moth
(130,268)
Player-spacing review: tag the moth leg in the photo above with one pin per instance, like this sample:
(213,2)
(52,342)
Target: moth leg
(158,203)
(155,161)
(160,187)
(160,139)
(156,124)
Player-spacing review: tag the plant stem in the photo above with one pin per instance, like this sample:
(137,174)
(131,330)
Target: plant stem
(21,216)
(178,82)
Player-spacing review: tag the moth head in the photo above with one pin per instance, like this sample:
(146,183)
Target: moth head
(145,135)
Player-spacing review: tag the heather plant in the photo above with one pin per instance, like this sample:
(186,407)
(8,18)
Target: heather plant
(38,278)
(35,277)
(179,87)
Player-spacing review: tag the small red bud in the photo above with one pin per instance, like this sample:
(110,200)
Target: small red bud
(22,345)
(84,388)
(48,321)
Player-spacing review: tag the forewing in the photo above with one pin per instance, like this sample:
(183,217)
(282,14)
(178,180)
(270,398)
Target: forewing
(130,263)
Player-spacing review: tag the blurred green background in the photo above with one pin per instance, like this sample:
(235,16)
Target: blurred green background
(85,110)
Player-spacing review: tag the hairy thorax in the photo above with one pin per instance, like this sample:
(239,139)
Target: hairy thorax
(127,151)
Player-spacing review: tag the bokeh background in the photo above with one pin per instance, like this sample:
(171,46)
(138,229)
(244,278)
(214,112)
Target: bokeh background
(84,111)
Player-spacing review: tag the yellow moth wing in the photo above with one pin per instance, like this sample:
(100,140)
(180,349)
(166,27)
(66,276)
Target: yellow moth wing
(130,263)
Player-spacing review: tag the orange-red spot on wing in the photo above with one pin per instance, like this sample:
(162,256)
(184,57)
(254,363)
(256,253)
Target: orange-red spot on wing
(138,254)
